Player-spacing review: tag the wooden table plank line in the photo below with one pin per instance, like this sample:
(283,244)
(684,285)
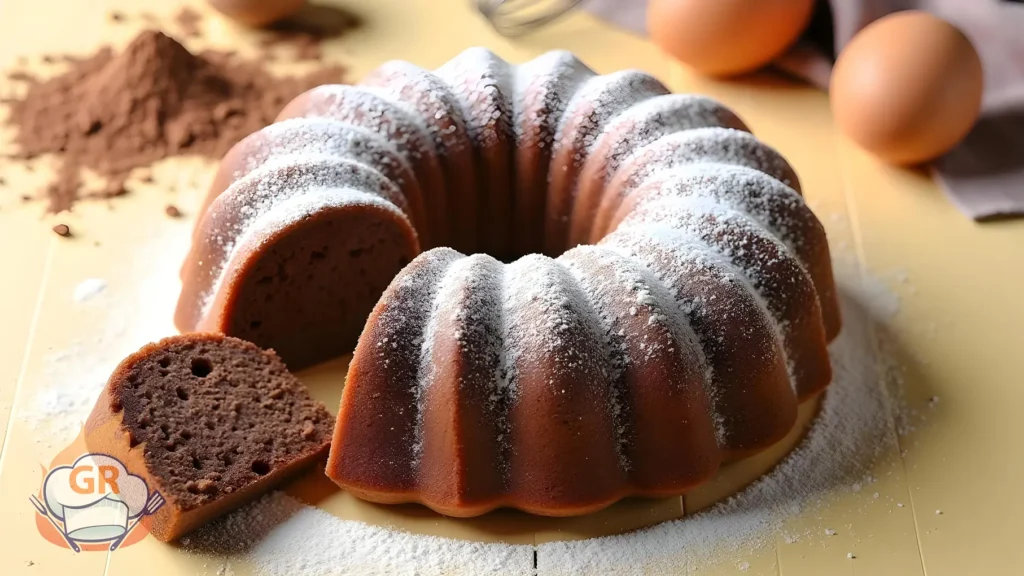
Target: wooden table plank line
(876,345)
(850,199)
(106,565)
(30,338)
(778,557)
(913,507)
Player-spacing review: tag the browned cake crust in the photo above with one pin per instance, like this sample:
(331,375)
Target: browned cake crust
(210,422)
(431,98)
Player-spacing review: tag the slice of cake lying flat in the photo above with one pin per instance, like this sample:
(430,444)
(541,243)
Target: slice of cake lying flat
(209,421)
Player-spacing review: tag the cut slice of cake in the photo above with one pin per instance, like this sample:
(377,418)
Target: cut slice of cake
(209,421)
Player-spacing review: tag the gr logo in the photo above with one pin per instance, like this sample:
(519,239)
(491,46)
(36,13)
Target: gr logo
(88,479)
(93,503)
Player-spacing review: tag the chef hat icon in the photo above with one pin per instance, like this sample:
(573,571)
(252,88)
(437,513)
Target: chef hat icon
(95,497)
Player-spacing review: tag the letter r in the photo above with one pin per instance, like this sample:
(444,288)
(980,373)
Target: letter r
(108,477)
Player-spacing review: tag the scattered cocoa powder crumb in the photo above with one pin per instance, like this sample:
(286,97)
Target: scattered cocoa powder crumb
(117,16)
(20,76)
(114,189)
(26,198)
(201,486)
(112,113)
(188,20)
(2,181)
(147,178)
(62,230)
(172,211)
(47,59)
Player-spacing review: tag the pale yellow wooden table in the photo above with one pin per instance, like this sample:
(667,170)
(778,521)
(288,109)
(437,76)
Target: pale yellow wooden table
(958,324)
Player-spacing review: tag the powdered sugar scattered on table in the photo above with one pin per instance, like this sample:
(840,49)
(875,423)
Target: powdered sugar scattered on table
(123,317)
(282,537)
(89,288)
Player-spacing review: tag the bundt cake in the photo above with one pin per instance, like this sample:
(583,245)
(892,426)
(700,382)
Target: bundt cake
(647,295)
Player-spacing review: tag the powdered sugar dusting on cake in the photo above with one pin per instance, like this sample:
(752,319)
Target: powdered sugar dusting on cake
(285,176)
(511,340)
(645,292)
(765,261)
(761,198)
(424,324)
(654,118)
(780,280)
(596,103)
(324,136)
(467,309)
(609,312)
(696,239)
(390,351)
(233,213)
(305,205)
(854,426)
(695,261)
(639,322)
(426,95)
(407,320)
(636,127)
(700,146)
(551,326)
(547,309)
(374,110)
(690,251)
(543,88)
(482,82)
(599,100)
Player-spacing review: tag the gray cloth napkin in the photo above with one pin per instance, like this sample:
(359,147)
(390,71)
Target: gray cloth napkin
(983,175)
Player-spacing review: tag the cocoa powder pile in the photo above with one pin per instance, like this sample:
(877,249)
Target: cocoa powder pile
(112,113)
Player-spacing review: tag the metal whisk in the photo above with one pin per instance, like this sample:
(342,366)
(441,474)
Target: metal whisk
(519,17)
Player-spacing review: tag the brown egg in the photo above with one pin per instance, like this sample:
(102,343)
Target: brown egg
(257,13)
(907,88)
(726,37)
